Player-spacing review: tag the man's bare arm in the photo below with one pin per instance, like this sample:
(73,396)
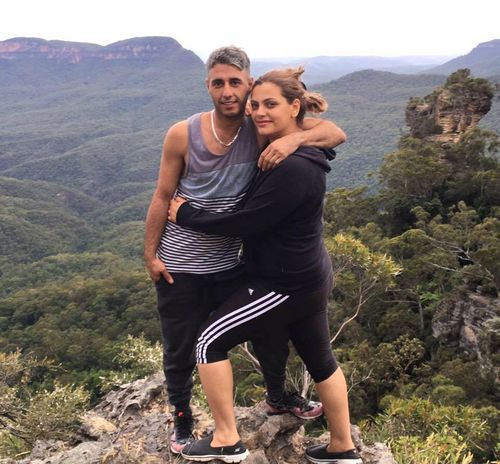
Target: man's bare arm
(319,133)
(171,167)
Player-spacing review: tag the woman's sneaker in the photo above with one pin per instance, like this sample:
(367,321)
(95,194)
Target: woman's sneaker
(319,455)
(202,451)
(295,404)
(183,431)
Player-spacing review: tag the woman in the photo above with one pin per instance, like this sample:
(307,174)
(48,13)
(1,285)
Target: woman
(289,273)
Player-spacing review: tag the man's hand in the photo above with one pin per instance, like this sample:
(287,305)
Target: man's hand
(279,150)
(172,164)
(156,269)
(173,207)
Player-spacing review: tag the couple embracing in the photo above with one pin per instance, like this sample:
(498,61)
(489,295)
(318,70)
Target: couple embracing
(234,245)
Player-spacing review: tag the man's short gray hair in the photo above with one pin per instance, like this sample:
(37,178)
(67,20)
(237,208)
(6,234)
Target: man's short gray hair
(231,55)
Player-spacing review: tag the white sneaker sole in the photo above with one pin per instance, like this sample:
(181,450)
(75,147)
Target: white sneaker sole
(209,457)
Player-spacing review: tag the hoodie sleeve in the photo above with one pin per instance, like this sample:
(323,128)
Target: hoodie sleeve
(276,195)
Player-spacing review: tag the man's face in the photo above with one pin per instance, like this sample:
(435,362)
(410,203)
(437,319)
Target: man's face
(229,88)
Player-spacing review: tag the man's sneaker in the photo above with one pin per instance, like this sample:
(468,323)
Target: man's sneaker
(183,431)
(319,455)
(293,403)
(200,450)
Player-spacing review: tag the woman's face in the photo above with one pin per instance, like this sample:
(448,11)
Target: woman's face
(273,116)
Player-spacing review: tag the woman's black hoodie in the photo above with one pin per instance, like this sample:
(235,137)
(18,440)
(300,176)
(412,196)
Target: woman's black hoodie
(280,222)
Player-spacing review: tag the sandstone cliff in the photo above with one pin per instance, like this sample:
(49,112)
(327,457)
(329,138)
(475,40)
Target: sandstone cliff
(130,427)
(149,48)
(470,325)
(446,114)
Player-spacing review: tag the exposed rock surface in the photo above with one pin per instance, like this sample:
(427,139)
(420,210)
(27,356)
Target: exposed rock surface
(74,52)
(446,114)
(130,427)
(471,325)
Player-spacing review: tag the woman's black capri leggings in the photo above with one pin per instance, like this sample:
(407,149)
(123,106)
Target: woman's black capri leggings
(256,311)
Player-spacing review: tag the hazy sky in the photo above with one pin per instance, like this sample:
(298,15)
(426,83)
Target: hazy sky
(265,28)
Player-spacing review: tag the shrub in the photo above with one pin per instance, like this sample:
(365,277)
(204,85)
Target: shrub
(54,414)
(137,358)
(26,414)
(446,447)
(411,423)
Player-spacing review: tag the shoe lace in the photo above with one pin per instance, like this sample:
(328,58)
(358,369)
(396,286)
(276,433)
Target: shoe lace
(299,401)
(293,399)
(183,425)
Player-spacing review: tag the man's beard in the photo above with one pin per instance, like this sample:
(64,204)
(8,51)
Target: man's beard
(232,114)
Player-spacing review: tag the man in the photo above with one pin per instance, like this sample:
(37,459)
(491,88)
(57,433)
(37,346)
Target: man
(211,159)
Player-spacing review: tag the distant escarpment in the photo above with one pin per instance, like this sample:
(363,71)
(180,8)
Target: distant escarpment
(446,114)
(143,48)
(483,60)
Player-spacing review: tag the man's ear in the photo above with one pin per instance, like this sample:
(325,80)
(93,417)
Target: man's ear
(206,82)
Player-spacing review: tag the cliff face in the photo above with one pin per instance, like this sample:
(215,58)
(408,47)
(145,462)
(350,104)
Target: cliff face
(470,325)
(450,111)
(131,426)
(72,52)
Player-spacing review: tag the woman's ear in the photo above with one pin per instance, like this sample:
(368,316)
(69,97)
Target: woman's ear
(295,108)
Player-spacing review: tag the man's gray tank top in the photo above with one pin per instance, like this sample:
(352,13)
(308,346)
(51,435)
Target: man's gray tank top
(215,183)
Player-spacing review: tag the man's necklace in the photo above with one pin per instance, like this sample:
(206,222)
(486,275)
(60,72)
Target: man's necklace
(216,137)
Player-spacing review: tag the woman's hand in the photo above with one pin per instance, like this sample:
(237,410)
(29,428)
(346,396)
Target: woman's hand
(279,150)
(173,207)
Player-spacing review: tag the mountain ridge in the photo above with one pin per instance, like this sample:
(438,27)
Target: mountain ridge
(153,47)
(320,69)
(483,60)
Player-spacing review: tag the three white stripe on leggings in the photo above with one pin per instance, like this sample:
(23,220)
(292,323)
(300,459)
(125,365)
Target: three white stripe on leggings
(233,319)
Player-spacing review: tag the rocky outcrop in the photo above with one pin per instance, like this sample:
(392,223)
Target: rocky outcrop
(130,427)
(446,114)
(149,48)
(470,325)
(23,48)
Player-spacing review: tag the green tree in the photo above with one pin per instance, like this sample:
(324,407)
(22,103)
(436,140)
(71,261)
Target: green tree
(358,273)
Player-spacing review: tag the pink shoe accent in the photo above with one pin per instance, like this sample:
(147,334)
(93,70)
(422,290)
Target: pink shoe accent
(315,411)
(177,446)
